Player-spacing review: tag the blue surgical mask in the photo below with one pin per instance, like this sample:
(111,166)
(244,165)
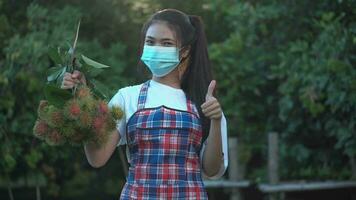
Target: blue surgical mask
(160,60)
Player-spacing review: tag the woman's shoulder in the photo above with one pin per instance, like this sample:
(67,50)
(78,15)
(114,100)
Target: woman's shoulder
(125,94)
(128,91)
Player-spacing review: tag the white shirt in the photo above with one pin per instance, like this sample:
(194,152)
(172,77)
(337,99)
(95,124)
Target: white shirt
(127,98)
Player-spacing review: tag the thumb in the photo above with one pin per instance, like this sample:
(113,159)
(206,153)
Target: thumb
(76,74)
(210,89)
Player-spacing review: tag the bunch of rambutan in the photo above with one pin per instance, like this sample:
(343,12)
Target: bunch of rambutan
(82,119)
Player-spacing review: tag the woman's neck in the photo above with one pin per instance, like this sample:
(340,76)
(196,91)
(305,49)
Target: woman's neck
(170,79)
(167,81)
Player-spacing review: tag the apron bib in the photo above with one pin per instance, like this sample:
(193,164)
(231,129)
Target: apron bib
(164,148)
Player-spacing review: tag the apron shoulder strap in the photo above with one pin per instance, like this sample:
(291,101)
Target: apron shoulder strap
(143,95)
(191,107)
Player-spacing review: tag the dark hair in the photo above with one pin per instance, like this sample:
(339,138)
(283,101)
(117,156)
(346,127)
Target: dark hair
(189,31)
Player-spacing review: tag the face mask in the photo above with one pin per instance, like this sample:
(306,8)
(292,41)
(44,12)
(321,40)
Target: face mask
(160,60)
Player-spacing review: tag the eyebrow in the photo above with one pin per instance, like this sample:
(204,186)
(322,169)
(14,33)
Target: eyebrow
(163,39)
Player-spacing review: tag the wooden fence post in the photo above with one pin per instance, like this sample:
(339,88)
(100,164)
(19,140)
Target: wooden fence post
(38,193)
(11,195)
(273,160)
(234,167)
(353,167)
(273,157)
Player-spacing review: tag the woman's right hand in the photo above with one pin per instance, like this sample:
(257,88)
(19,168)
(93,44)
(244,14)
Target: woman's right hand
(70,80)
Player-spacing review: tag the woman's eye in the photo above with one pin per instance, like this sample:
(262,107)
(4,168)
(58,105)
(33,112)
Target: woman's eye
(149,42)
(168,44)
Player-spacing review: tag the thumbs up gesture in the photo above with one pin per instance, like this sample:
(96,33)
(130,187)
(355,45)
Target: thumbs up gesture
(211,107)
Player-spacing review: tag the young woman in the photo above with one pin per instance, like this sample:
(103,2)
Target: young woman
(173,126)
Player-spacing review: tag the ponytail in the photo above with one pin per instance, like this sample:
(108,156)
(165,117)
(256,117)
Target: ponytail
(197,77)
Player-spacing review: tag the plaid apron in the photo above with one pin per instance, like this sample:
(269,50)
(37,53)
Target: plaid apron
(164,145)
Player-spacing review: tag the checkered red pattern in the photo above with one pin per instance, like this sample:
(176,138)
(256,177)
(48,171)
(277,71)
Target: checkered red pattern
(164,146)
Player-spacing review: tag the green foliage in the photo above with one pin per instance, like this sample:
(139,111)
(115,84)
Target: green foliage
(284,66)
(56,96)
(23,65)
(290,67)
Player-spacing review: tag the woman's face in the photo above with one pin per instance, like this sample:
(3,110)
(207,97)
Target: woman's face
(159,34)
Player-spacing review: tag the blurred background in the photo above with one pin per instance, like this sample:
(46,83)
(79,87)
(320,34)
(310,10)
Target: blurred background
(285,72)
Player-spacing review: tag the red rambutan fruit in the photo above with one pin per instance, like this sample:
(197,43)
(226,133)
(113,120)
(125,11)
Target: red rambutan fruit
(43,104)
(110,124)
(55,138)
(88,104)
(68,129)
(77,138)
(83,92)
(103,107)
(98,123)
(56,119)
(72,109)
(85,119)
(42,108)
(100,137)
(40,129)
(117,112)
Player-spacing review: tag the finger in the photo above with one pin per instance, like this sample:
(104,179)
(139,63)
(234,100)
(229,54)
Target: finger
(67,74)
(212,107)
(213,112)
(210,89)
(68,84)
(76,74)
(208,103)
(70,79)
(65,86)
(76,81)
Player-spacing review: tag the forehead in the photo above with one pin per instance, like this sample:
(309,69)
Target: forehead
(160,31)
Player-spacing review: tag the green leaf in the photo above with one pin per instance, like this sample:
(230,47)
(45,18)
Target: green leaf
(69,57)
(56,96)
(68,45)
(100,89)
(93,63)
(55,72)
(9,162)
(89,71)
(33,157)
(76,37)
(54,54)
(71,51)
(61,76)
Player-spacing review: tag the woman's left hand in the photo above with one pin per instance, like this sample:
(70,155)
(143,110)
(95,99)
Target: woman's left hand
(211,107)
